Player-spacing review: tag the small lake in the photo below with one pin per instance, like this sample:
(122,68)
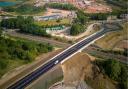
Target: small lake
(3,4)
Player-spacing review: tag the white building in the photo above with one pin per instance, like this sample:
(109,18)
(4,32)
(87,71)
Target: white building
(51,17)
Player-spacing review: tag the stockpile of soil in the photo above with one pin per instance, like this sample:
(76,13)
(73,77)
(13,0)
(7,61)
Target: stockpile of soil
(80,70)
(75,68)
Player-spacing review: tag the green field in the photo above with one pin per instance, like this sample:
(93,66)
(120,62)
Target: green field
(53,22)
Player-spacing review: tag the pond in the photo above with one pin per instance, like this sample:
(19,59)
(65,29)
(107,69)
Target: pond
(3,4)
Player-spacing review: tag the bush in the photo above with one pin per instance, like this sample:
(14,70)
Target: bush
(26,25)
(25,9)
(13,52)
(21,49)
(115,70)
(3,64)
(120,3)
(61,6)
(81,17)
(76,29)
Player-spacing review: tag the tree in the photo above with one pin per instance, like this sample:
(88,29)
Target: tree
(61,6)
(20,21)
(1,31)
(3,64)
(25,25)
(81,17)
(29,20)
(29,57)
(123,76)
(113,69)
(125,52)
(58,20)
(19,49)
(76,29)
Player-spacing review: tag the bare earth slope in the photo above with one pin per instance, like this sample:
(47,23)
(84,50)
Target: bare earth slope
(74,69)
(79,71)
(113,38)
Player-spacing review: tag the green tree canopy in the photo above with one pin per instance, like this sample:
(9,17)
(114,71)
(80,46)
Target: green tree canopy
(76,29)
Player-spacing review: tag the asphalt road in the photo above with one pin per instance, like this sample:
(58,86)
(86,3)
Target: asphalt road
(21,84)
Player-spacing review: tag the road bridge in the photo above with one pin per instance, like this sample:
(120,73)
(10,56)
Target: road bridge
(60,58)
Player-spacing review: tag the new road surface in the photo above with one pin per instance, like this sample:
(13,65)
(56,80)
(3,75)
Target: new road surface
(22,83)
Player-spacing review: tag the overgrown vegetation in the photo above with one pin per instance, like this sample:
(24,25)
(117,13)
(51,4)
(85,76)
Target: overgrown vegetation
(117,52)
(79,23)
(120,3)
(25,9)
(61,6)
(26,25)
(76,29)
(115,70)
(81,17)
(104,16)
(15,51)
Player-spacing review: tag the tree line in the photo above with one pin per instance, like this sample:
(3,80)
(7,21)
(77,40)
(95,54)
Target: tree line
(25,9)
(117,52)
(76,29)
(121,3)
(104,16)
(25,24)
(115,70)
(13,49)
(79,23)
(61,6)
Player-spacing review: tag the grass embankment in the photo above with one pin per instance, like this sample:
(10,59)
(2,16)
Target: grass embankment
(113,38)
(16,52)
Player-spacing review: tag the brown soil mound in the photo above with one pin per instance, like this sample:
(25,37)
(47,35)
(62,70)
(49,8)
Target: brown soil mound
(75,68)
(79,69)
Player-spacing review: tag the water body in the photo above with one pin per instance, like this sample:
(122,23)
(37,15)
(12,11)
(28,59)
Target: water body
(3,4)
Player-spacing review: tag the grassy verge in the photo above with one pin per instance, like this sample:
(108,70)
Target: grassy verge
(113,38)
(53,22)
